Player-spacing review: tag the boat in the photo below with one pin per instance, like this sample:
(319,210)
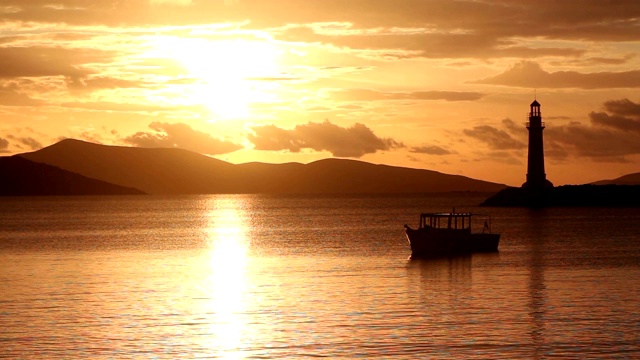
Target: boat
(448,233)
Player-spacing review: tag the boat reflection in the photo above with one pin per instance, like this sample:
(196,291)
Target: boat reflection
(453,270)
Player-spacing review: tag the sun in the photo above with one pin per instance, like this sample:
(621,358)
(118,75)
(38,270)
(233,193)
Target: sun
(229,75)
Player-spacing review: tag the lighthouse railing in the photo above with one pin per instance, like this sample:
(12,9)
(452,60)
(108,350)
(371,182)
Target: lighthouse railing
(528,124)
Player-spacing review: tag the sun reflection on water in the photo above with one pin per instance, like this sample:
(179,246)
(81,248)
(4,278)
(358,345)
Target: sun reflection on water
(226,283)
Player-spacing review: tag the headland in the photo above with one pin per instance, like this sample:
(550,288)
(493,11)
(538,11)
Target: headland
(568,196)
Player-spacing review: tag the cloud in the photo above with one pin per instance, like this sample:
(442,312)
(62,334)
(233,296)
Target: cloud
(596,60)
(597,143)
(373,95)
(529,74)
(430,150)
(110,106)
(4,145)
(354,141)
(182,136)
(515,129)
(428,42)
(624,107)
(38,61)
(615,122)
(496,139)
(91,83)
(25,141)
(350,107)
(482,21)
(319,109)
(11,96)
(504,157)
(611,137)
(171,2)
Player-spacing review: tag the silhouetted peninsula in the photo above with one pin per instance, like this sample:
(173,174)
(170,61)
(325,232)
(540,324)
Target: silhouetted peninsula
(538,191)
(568,195)
(22,177)
(178,171)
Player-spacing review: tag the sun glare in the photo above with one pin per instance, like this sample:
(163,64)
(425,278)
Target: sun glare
(229,75)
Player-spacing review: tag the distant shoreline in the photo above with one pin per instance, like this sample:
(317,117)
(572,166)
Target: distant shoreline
(568,196)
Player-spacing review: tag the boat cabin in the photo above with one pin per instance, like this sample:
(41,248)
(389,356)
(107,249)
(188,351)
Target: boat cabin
(450,221)
(454,221)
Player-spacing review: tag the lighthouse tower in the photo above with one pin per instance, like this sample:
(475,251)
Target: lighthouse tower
(536,177)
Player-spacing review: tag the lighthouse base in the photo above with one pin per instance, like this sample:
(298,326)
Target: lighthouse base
(532,185)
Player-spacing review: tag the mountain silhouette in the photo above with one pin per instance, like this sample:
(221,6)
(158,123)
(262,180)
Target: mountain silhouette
(629,179)
(178,171)
(22,177)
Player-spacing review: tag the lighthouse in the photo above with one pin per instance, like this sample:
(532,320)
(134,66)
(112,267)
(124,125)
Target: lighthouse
(536,177)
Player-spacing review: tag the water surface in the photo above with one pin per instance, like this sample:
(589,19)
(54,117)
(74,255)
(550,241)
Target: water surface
(249,276)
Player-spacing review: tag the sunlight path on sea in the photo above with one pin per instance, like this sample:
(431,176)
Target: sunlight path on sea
(224,286)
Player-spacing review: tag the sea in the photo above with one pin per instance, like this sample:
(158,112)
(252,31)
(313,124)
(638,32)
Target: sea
(310,276)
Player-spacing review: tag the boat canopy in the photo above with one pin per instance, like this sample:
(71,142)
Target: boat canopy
(446,220)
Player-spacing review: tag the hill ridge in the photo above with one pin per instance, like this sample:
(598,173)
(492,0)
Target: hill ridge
(179,171)
(23,177)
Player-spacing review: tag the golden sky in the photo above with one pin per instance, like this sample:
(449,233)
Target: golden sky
(442,85)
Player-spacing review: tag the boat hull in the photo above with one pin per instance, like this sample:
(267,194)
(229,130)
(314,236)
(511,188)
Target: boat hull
(429,242)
